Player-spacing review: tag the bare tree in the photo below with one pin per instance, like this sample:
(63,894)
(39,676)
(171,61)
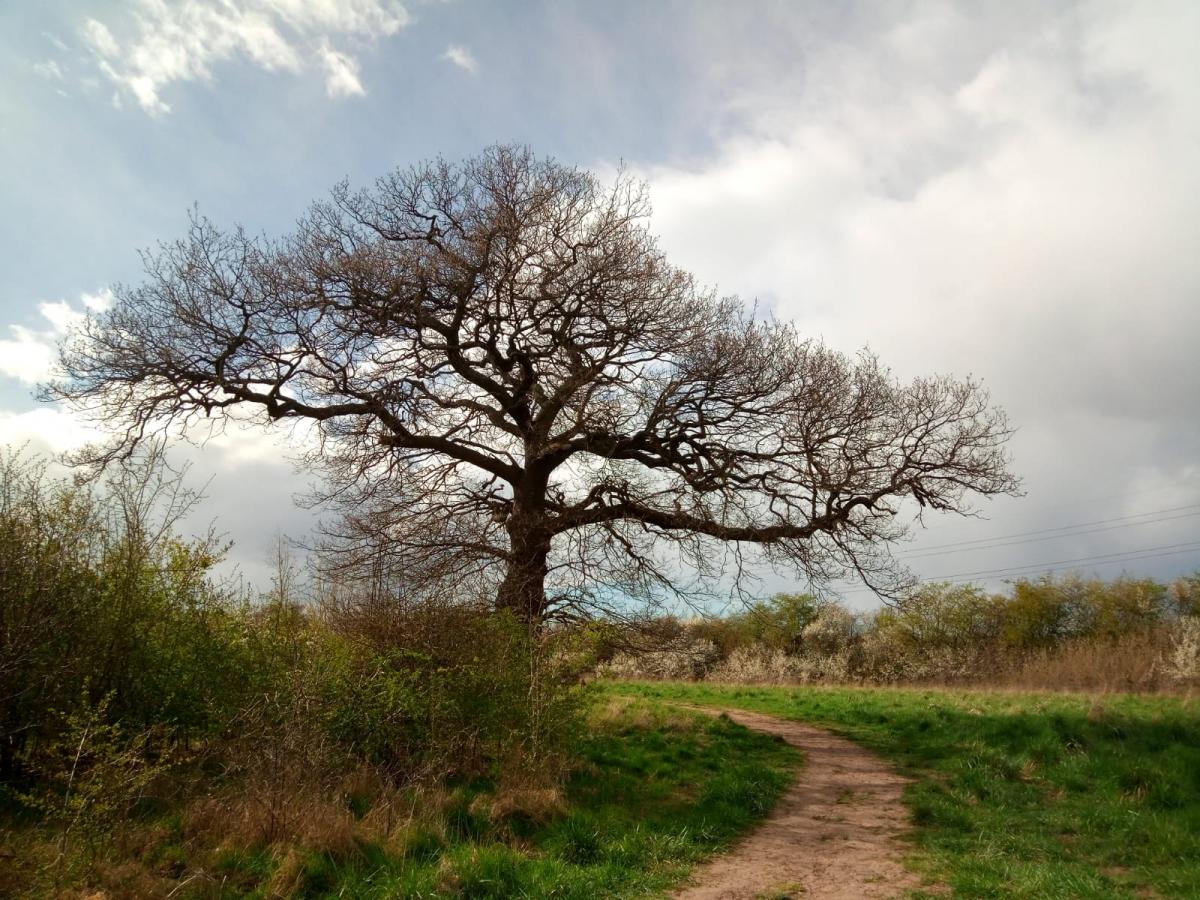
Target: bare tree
(509,383)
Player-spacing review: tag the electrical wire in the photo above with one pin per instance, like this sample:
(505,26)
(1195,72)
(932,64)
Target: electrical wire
(1054,566)
(991,573)
(1060,528)
(926,553)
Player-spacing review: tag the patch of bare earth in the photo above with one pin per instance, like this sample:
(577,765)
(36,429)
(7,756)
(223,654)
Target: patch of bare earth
(837,833)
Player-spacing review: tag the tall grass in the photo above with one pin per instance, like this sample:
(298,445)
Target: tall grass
(652,792)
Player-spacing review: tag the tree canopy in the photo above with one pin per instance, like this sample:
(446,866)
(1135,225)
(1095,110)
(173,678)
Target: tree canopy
(510,386)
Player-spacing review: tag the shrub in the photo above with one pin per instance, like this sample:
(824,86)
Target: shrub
(756,664)
(436,689)
(831,632)
(685,658)
(1068,633)
(93,774)
(1183,658)
(101,600)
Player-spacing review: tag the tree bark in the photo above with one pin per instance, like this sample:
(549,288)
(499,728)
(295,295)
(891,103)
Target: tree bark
(523,590)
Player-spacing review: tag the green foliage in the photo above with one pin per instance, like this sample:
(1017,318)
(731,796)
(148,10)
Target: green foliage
(777,623)
(101,600)
(1067,631)
(93,776)
(464,693)
(942,616)
(48,583)
(1022,795)
(1050,611)
(630,821)
(1184,596)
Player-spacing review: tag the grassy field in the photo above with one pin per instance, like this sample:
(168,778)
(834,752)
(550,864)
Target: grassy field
(1013,795)
(1020,795)
(655,791)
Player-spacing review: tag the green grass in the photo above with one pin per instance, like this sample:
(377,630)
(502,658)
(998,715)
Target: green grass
(653,792)
(1021,795)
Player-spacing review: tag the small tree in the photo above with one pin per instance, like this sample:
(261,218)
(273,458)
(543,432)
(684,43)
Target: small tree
(510,383)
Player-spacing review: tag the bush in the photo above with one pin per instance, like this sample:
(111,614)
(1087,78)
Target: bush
(1068,633)
(93,774)
(446,690)
(101,600)
(1183,659)
(685,658)
(763,665)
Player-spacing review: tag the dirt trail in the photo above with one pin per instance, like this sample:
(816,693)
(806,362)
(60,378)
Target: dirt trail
(835,834)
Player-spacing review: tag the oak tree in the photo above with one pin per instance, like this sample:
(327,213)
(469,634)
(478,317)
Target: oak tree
(506,380)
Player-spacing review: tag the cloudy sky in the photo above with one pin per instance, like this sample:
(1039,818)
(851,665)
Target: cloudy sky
(1009,190)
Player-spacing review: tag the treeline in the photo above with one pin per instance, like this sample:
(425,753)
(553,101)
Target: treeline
(1055,633)
(132,680)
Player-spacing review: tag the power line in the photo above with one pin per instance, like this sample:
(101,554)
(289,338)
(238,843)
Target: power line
(1021,534)
(1053,566)
(926,553)
(991,573)
(1177,487)
(1052,570)
(1112,562)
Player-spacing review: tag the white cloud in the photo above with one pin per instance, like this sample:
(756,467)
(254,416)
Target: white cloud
(341,74)
(165,43)
(45,430)
(97,36)
(27,355)
(50,70)
(924,216)
(30,354)
(99,301)
(55,41)
(461,57)
(1030,218)
(61,316)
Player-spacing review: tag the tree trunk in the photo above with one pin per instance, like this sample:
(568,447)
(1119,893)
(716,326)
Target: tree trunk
(523,589)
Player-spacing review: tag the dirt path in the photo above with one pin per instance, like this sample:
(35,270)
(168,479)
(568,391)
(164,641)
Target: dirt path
(834,834)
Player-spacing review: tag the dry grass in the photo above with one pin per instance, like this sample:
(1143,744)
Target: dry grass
(629,712)
(312,821)
(1161,660)
(535,804)
(619,709)
(315,817)
(1133,662)
(289,876)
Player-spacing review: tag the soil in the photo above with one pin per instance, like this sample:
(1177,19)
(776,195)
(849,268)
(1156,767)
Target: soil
(837,833)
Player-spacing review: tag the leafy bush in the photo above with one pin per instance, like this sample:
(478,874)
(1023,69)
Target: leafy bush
(101,600)
(1070,633)
(445,689)
(1183,661)
(93,774)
